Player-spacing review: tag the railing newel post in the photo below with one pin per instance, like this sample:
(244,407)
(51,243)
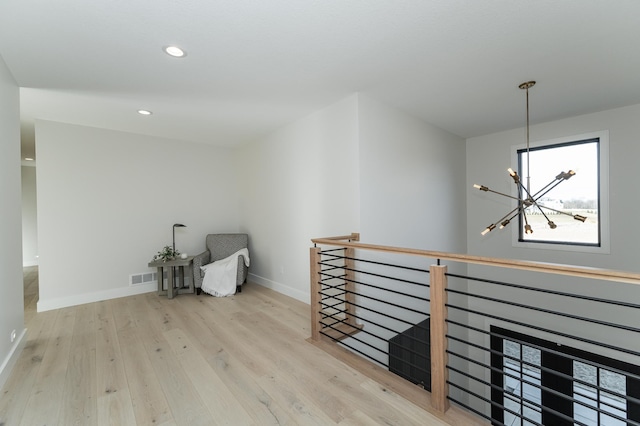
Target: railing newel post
(438,330)
(314,288)
(350,286)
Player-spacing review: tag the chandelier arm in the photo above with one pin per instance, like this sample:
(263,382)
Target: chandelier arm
(524,214)
(520,188)
(555,210)
(516,210)
(507,221)
(526,190)
(541,194)
(501,221)
(551,185)
(527,227)
(503,194)
(540,206)
(545,190)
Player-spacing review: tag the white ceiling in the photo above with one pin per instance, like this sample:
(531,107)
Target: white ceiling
(255,65)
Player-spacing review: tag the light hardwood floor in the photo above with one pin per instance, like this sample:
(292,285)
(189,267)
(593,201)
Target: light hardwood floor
(193,360)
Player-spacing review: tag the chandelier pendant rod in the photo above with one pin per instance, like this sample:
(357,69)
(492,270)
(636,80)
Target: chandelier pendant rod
(526,86)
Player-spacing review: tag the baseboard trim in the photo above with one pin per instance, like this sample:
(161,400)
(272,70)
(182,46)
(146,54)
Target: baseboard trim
(280,288)
(81,299)
(98,296)
(12,357)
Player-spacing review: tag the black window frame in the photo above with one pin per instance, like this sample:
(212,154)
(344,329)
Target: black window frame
(519,153)
(558,358)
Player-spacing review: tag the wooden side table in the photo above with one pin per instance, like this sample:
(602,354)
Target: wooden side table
(169,267)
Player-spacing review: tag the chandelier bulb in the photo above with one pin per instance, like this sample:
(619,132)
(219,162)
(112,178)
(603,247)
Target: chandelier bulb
(552,225)
(488,229)
(580,218)
(514,175)
(504,224)
(527,229)
(565,176)
(481,187)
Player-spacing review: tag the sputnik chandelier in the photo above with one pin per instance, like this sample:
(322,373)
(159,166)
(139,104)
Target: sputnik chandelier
(526,200)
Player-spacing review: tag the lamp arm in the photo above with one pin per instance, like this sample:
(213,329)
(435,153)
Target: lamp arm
(540,206)
(544,191)
(525,190)
(513,212)
(503,194)
(514,215)
(551,185)
(555,210)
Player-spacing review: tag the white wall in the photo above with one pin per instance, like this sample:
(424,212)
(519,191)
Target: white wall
(107,201)
(489,156)
(29,217)
(299,183)
(412,181)
(11,299)
(102,189)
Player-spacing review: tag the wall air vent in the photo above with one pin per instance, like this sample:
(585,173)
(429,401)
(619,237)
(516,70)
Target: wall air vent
(142,278)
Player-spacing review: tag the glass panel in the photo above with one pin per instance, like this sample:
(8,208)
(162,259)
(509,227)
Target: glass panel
(585,372)
(531,413)
(531,392)
(590,395)
(609,401)
(586,393)
(522,396)
(615,382)
(512,384)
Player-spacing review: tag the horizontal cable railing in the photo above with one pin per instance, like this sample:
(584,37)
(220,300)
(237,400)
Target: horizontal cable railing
(513,342)
(572,330)
(360,314)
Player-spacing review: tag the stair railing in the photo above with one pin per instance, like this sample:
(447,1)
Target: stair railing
(463,314)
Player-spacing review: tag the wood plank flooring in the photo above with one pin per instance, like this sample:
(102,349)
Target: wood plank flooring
(193,360)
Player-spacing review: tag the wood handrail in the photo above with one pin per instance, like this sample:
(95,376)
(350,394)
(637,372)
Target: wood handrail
(353,237)
(553,268)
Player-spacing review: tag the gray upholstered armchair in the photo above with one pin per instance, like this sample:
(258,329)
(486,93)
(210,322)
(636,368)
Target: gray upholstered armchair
(220,246)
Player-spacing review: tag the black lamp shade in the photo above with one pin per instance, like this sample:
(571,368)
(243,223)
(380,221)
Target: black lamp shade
(176,225)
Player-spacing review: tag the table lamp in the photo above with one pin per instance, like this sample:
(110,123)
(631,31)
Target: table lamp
(178,225)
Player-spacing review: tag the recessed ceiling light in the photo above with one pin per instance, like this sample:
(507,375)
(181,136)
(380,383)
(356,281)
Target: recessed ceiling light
(144,112)
(28,159)
(175,51)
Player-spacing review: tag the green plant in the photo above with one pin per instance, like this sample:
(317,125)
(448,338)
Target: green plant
(167,253)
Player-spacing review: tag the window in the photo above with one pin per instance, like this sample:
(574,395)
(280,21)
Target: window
(538,382)
(599,395)
(584,194)
(522,374)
